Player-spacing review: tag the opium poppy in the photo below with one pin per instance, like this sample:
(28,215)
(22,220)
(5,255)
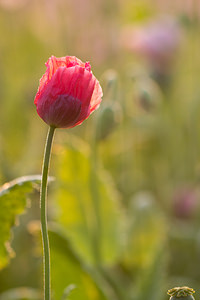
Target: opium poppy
(68,92)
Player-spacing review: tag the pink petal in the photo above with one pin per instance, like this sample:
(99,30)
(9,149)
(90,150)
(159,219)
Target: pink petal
(68,92)
(63,112)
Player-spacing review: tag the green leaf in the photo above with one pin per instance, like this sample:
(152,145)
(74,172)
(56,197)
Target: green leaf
(13,201)
(67,270)
(88,206)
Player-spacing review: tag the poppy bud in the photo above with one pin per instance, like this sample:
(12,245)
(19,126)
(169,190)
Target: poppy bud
(110,79)
(68,92)
(181,293)
(108,119)
(148,94)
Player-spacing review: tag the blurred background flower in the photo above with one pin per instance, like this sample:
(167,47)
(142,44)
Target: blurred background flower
(185,203)
(157,41)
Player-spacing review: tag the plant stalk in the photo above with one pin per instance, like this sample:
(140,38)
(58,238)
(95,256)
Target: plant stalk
(43,206)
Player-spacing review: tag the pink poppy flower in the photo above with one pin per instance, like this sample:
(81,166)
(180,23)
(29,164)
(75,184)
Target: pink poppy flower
(68,92)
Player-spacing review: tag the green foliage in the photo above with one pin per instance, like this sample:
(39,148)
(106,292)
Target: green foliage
(13,201)
(91,220)
(88,207)
(68,271)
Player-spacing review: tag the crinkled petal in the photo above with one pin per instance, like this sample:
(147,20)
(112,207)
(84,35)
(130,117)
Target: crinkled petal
(68,92)
(54,63)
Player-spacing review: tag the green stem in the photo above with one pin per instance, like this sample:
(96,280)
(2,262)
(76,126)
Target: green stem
(44,229)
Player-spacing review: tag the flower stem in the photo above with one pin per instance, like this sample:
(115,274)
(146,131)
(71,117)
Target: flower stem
(43,206)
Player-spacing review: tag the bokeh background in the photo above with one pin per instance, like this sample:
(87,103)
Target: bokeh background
(124,209)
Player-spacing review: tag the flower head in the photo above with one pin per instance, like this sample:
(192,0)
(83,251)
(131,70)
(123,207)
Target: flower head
(68,92)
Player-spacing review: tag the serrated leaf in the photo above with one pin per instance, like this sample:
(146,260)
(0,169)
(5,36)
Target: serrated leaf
(89,207)
(13,201)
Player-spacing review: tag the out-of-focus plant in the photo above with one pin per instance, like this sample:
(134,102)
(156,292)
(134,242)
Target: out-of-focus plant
(157,42)
(110,115)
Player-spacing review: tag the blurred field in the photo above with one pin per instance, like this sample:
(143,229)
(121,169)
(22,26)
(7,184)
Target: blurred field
(124,209)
